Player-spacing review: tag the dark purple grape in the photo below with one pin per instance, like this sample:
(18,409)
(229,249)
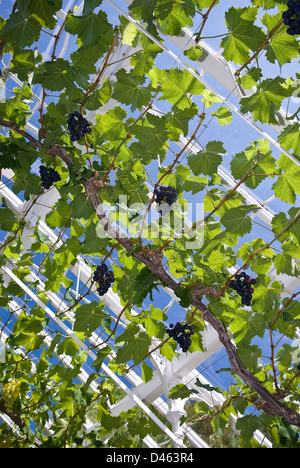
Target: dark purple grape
(78,126)
(104,278)
(48,176)
(181,334)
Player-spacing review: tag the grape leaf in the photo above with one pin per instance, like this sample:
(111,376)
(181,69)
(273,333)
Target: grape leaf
(249,354)
(25,62)
(21,31)
(244,35)
(266,100)
(289,138)
(143,8)
(81,206)
(89,317)
(178,85)
(135,346)
(207,161)
(129,90)
(88,28)
(248,425)
(44,11)
(151,132)
(236,220)
(56,75)
(283,47)
(180,391)
(288,183)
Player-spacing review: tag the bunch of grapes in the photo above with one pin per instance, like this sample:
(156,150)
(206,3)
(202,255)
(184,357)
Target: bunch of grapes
(181,333)
(243,286)
(165,195)
(48,176)
(10,393)
(78,126)
(104,278)
(291,17)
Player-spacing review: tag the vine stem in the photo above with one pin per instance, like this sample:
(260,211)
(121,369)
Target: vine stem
(115,327)
(96,82)
(269,402)
(270,35)
(53,57)
(205,18)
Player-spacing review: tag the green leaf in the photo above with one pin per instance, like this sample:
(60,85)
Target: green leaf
(237,221)
(242,162)
(224,116)
(184,295)
(266,100)
(178,121)
(136,345)
(180,391)
(194,53)
(248,425)
(147,372)
(89,28)
(81,206)
(143,60)
(129,90)
(266,296)
(143,285)
(195,184)
(99,97)
(283,47)
(59,215)
(151,132)
(24,62)
(178,85)
(280,222)
(101,356)
(21,31)
(44,11)
(143,8)
(288,183)
(111,125)
(289,138)
(207,161)
(249,354)
(244,35)
(56,75)
(89,317)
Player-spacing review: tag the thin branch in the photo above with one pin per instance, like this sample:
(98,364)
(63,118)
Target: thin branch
(96,82)
(264,44)
(205,18)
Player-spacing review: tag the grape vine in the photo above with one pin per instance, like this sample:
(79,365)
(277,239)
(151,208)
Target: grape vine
(129,147)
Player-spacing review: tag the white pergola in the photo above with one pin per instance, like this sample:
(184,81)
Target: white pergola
(182,369)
